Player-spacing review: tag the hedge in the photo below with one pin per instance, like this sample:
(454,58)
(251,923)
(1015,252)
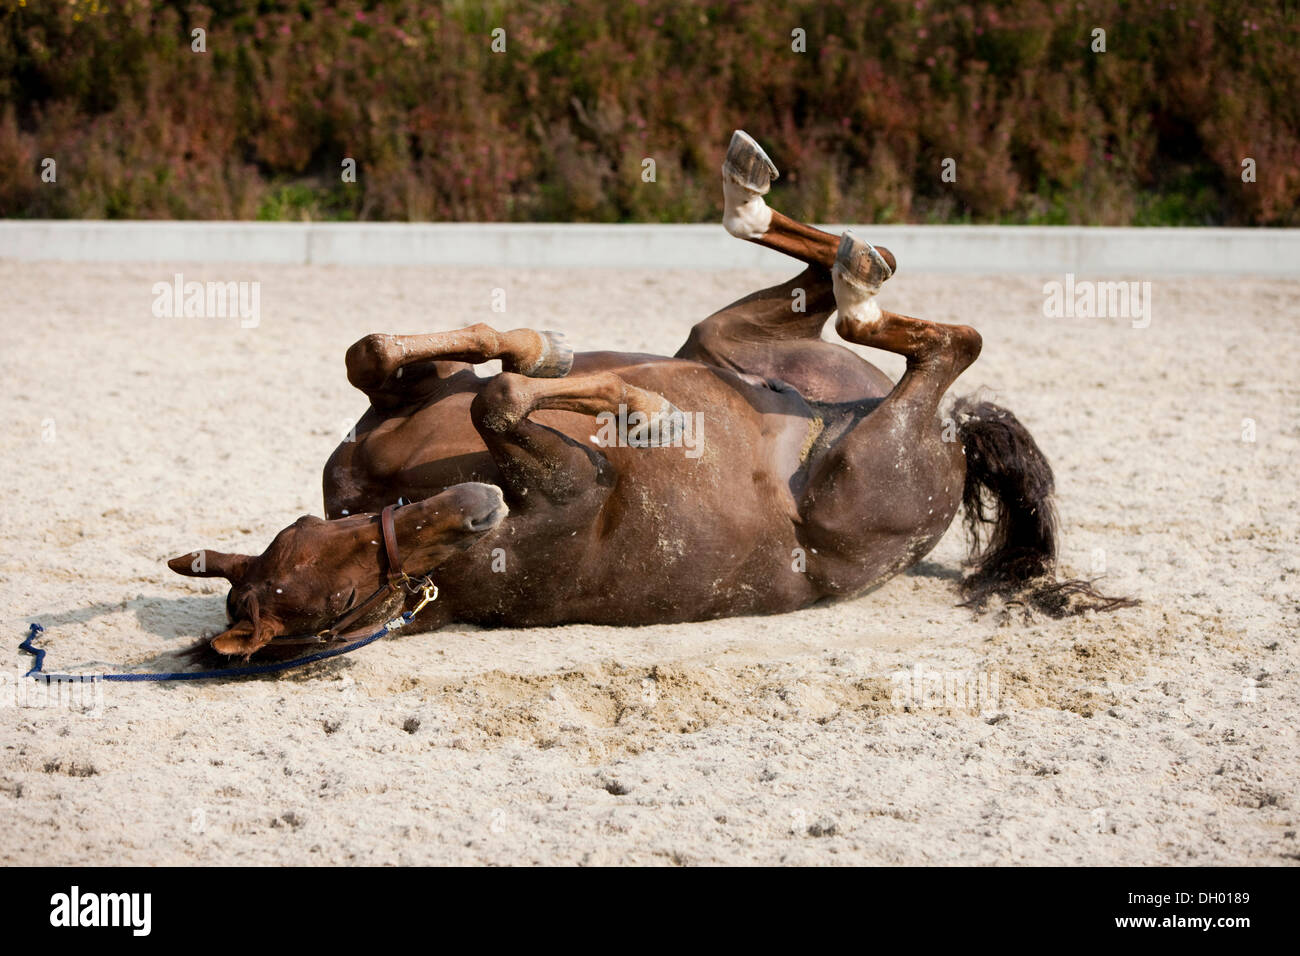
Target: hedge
(862,105)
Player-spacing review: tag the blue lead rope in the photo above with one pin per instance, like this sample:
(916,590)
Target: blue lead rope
(271,668)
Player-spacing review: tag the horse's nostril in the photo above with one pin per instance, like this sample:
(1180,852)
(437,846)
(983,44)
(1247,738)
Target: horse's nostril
(487,520)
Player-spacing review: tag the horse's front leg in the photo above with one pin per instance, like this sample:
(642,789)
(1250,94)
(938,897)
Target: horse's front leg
(377,364)
(557,488)
(541,465)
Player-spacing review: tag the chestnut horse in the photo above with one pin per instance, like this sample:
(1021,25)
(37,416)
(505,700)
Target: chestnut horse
(759,470)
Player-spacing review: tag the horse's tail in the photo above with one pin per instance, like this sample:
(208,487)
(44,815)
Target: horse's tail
(1010,516)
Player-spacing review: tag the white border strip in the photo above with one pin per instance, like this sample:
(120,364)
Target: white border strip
(968,249)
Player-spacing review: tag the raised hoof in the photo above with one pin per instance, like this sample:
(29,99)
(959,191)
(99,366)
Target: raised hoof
(747,165)
(663,429)
(860,264)
(556,360)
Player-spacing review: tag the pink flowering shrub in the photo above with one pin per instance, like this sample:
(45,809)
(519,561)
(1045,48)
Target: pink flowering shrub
(1040,128)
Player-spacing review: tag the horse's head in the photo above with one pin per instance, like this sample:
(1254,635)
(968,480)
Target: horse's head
(315,572)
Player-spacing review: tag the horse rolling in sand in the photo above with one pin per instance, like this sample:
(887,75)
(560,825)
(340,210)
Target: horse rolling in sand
(810,474)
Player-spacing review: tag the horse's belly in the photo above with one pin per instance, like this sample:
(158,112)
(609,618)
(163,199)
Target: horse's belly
(686,533)
(702,527)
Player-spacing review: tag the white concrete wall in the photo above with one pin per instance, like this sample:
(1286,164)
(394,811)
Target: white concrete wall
(975,249)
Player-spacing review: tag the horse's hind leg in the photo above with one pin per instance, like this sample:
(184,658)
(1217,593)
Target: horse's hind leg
(884,494)
(936,353)
(775,333)
(747,175)
(376,362)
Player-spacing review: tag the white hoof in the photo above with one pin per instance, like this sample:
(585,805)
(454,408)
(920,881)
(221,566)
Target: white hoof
(555,360)
(747,164)
(856,277)
(663,429)
(861,263)
(747,175)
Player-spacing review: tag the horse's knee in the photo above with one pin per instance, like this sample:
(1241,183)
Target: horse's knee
(487,339)
(501,403)
(367,361)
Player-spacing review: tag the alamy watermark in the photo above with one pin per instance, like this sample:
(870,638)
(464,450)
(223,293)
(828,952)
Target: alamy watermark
(634,429)
(1086,299)
(81,694)
(129,910)
(919,689)
(209,300)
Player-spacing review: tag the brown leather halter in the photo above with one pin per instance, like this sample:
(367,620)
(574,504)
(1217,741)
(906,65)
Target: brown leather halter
(397,580)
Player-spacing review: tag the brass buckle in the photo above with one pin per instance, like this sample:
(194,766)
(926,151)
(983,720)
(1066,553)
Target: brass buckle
(428,591)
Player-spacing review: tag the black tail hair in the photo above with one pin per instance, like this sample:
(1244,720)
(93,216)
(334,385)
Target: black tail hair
(1010,512)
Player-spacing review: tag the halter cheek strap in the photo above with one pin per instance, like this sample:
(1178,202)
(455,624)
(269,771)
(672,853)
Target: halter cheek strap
(395,574)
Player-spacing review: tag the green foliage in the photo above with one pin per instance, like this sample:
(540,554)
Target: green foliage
(1043,130)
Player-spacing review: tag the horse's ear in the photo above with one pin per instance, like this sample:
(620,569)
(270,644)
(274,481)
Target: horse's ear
(211,564)
(242,639)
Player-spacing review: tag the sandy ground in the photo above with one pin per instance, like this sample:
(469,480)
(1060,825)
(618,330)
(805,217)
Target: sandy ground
(1161,734)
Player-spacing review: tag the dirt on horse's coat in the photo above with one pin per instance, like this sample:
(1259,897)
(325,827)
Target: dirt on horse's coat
(561,490)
